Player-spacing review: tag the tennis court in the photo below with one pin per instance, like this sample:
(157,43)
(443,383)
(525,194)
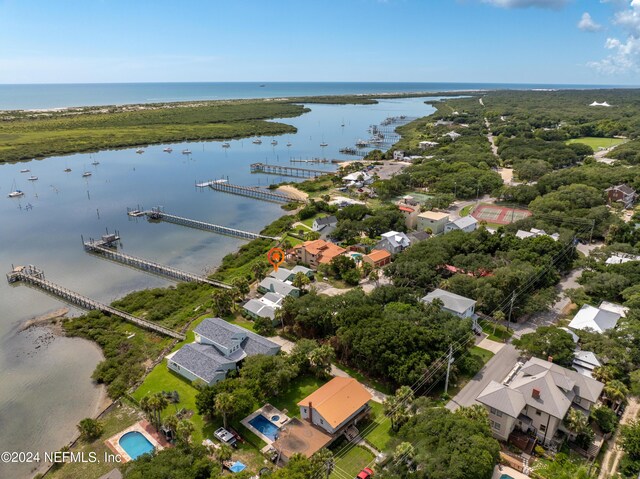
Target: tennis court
(499,214)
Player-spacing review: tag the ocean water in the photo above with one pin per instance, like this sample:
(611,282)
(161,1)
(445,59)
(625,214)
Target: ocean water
(46,96)
(45,383)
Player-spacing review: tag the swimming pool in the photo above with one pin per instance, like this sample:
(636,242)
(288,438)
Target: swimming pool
(506,476)
(265,426)
(135,444)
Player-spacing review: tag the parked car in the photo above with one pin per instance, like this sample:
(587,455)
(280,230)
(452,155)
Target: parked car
(225,436)
(366,473)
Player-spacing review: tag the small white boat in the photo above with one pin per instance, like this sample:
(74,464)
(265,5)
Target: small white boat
(25,170)
(167,150)
(257,141)
(289,144)
(274,142)
(226,144)
(186,152)
(323,144)
(33,178)
(67,170)
(139,151)
(95,163)
(16,194)
(86,174)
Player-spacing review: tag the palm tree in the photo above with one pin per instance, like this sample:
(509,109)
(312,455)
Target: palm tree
(576,421)
(604,374)
(184,429)
(616,392)
(223,453)
(404,452)
(223,301)
(242,285)
(225,404)
(157,403)
(321,358)
(171,423)
(259,270)
(300,281)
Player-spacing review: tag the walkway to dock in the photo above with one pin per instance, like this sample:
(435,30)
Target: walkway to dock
(34,276)
(158,214)
(288,170)
(106,249)
(251,192)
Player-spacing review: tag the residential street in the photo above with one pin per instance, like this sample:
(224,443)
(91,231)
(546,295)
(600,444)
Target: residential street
(496,369)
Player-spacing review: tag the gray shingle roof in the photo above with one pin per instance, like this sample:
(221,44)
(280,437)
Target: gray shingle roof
(220,331)
(281,275)
(326,220)
(202,360)
(301,269)
(396,238)
(465,221)
(452,301)
(260,309)
(502,398)
(277,286)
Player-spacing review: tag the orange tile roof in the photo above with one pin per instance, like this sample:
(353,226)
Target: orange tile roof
(406,209)
(378,255)
(327,250)
(337,400)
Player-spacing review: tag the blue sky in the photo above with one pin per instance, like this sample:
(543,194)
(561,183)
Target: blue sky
(520,41)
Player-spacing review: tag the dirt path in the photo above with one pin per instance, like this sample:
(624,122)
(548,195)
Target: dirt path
(494,148)
(614,452)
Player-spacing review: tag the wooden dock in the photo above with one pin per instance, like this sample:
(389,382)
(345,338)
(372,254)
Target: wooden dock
(251,192)
(288,170)
(106,249)
(35,277)
(159,215)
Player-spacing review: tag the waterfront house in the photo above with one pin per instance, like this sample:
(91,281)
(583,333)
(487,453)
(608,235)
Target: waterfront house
(358,178)
(325,222)
(393,242)
(466,224)
(423,145)
(317,252)
(452,303)
(536,399)
(337,404)
(433,221)
(273,285)
(377,258)
(218,348)
(398,155)
(264,307)
(595,319)
(623,194)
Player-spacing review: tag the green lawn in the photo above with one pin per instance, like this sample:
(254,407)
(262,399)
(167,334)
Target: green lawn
(379,436)
(350,462)
(483,353)
(597,143)
(299,389)
(466,210)
(501,333)
(372,383)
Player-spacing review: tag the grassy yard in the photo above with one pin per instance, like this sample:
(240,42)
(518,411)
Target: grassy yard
(379,436)
(597,143)
(299,389)
(483,353)
(372,383)
(351,461)
(466,210)
(114,421)
(501,334)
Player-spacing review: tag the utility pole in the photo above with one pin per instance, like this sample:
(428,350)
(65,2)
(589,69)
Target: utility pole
(449,363)
(513,299)
(593,225)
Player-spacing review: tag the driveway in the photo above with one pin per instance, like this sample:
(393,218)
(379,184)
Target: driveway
(496,369)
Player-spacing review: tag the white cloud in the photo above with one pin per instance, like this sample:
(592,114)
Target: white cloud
(625,51)
(553,4)
(587,24)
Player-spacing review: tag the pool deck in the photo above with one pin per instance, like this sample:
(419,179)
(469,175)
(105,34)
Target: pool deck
(497,473)
(144,428)
(267,411)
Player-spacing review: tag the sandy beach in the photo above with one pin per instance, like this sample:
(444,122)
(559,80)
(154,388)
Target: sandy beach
(293,191)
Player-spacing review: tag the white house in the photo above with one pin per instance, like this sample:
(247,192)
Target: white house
(359,177)
(393,242)
(595,319)
(398,155)
(536,399)
(466,224)
(534,233)
(620,258)
(455,304)
(274,285)
(585,362)
(264,307)
(218,348)
(423,145)
(335,405)
(325,222)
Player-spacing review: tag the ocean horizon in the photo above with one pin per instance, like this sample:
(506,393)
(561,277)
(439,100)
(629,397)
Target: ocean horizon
(35,96)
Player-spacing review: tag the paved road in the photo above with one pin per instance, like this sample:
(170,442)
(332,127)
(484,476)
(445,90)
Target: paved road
(496,369)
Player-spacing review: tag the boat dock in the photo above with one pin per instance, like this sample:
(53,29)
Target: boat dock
(288,170)
(106,247)
(158,214)
(251,192)
(35,277)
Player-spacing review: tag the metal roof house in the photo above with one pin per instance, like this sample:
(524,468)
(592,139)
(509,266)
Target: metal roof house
(326,221)
(273,285)
(466,224)
(393,242)
(264,307)
(598,320)
(452,303)
(218,348)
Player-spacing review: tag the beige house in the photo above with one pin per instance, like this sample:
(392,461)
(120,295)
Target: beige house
(335,405)
(536,399)
(433,221)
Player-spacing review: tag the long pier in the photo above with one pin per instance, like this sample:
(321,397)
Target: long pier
(288,170)
(251,192)
(105,247)
(34,276)
(158,214)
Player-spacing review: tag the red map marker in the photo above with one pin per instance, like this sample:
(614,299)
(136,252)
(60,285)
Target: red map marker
(275,257)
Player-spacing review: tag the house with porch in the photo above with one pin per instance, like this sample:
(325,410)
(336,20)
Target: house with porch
(393,242)
(317,252)
(466,223)
(336,405)
(218,348)
(455,304)
(434,221)
(536,399)
(324,222)
(622,194)
(273,285)
(377,258)
(264,307)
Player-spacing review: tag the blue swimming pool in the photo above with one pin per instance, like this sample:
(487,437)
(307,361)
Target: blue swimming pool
(506,476)
(265,426)
(135,444)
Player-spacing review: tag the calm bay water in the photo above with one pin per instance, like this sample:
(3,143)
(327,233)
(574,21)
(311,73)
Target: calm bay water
(44,96)
(45,386)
